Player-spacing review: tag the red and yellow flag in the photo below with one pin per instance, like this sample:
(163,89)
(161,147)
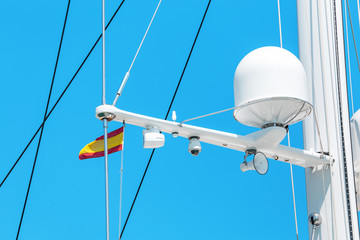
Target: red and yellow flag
(96,148)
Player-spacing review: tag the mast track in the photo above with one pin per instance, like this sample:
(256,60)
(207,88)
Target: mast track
(341,123)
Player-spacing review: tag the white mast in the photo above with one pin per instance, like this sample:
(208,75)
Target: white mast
(330,187)
(330,191)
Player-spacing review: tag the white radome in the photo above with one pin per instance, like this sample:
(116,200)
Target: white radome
(270,87)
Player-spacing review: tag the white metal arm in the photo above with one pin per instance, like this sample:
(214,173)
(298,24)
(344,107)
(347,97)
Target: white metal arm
(265,140)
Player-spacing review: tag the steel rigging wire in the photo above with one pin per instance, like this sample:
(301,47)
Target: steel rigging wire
(62,94)
(347,12)
(348,59)
(118,94)
(358,7)
(352,31)
(42,128)
(288,135)
(167,114)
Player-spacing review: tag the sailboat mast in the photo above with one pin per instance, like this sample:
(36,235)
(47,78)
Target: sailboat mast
(330,191)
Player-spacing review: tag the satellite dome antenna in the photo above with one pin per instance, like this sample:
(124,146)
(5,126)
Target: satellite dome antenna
(270,89)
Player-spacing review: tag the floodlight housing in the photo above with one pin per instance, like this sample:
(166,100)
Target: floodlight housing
(259,163)
(152,138)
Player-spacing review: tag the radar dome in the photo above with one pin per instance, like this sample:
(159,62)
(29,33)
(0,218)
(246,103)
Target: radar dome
(270,89)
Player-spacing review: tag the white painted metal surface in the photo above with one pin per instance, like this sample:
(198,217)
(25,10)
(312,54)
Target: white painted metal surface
(330,192)
(270,86)
(355,139)
(259,140)
(355,143)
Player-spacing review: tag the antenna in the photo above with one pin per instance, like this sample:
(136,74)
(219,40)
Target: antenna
(173,117)
(127,75)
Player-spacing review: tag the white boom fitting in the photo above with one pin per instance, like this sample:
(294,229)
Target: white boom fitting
(266,140)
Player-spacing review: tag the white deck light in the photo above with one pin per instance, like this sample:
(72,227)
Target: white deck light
(152,138)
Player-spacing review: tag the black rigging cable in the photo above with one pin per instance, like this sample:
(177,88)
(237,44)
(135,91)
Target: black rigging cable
(168,111)
(42,128)
(62,94)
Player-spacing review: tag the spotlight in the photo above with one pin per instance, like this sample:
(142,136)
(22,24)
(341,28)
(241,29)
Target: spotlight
(152,138)
(259,163)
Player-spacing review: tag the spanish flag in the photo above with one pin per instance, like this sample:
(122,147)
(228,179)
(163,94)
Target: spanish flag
(96,149)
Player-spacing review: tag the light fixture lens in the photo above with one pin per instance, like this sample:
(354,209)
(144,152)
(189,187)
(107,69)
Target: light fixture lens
(194,146)
(261,163)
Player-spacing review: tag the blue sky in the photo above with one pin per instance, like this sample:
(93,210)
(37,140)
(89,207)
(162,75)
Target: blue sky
(183,197)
